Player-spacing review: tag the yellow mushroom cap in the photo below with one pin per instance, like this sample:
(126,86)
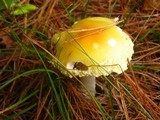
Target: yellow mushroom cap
(97,43)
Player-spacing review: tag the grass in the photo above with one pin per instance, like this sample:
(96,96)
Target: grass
(31,87)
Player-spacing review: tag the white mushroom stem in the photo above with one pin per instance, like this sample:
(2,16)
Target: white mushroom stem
(89,83)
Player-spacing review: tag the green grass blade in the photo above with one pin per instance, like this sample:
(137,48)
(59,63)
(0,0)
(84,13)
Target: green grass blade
(59,102)
(84,15)
(144,110)
(130,13)
(71,18)
(111,100)
(23,74)
(20,101)
(147,33)
(21,112)
(113,6)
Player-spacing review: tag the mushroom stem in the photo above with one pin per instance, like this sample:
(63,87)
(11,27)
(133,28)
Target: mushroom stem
(90,84)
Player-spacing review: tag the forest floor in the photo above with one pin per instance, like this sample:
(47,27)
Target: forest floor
(33,88)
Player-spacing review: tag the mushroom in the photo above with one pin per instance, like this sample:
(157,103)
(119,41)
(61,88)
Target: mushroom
(93,47)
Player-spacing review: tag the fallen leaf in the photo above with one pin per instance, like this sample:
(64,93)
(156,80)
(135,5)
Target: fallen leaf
(23,9)
(6,41)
